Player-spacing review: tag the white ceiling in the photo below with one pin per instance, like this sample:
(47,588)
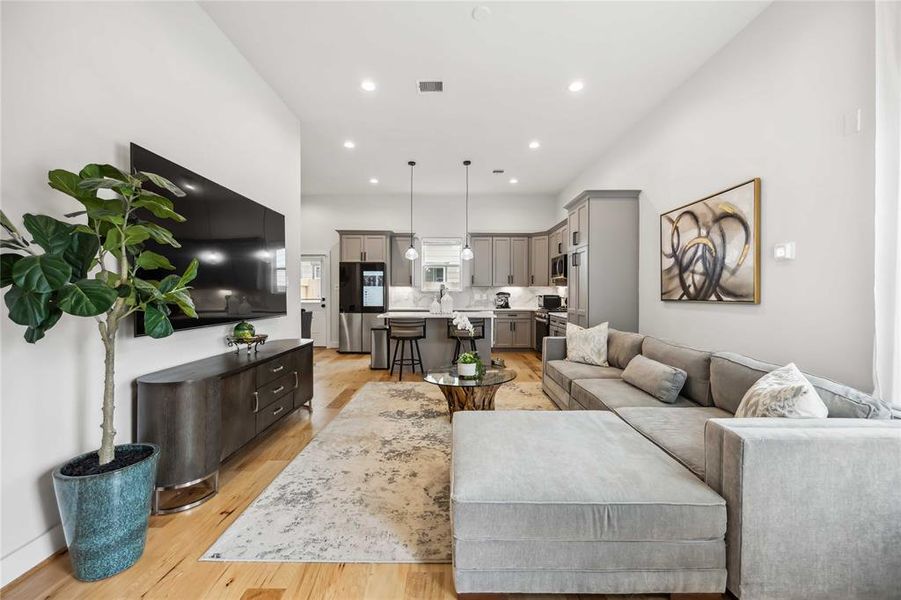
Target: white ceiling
(505,83)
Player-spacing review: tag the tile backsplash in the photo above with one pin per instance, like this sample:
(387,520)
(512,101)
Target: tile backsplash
(480,297)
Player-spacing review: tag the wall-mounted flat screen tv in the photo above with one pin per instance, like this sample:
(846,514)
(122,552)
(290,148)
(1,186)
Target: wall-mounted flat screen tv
(240,246)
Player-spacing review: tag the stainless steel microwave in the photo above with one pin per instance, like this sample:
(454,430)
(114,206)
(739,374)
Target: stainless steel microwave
(558,269)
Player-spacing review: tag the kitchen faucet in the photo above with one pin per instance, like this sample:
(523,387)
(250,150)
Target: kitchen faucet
(441,292)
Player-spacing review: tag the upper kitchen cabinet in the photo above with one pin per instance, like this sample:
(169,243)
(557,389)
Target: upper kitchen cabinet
(375,248)
(603,259)
(519,265)
(511,261)
(540,261)
(482,261)
(558,240)
(351,248)
(402,270)
(501,260)
(577,222)
(364,246)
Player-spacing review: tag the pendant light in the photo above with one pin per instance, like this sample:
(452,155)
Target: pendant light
(411,253)
(466,254)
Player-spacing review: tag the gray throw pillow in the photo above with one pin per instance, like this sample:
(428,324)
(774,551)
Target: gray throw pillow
(659,380)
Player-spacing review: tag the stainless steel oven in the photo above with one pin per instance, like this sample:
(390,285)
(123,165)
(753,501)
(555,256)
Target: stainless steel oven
(559,269)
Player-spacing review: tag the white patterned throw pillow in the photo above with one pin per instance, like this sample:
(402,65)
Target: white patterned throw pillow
(588,346)
(784,392)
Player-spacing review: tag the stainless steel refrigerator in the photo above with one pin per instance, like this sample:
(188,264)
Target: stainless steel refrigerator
(362,295)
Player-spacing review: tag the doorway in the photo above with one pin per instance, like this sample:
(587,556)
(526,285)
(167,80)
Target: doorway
(314,286)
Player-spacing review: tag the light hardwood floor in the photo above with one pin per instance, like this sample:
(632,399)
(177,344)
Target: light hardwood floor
(170,567)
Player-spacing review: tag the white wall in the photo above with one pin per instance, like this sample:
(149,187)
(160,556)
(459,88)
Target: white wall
(771,104)
(433,216)
(80,81)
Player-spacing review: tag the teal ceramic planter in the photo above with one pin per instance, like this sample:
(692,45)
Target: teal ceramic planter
(105,516)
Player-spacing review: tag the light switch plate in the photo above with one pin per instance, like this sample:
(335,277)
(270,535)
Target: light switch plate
(784,251)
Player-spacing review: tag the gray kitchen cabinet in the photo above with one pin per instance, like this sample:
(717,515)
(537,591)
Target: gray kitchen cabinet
(540,261)
(522,333)
(557,325)
(519,261)
(513,330)
(510,261)
(603,262)
(559,241)
(501,261)
(401,268)
(577,296)
(578,224)
(375,248)
(503,333)
(554,245)
(364,246)
(351,248)
(482,262)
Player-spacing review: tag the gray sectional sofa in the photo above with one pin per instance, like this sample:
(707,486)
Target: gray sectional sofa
(623,493)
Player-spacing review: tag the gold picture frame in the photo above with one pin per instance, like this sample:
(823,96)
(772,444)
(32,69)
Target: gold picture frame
(710,248)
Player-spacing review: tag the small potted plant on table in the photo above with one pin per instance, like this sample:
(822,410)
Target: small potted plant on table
(469,365)
(104,495)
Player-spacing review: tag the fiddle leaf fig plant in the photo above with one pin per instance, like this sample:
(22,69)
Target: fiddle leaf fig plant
(98,267)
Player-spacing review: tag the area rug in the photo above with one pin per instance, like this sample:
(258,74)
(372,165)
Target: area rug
(373,486)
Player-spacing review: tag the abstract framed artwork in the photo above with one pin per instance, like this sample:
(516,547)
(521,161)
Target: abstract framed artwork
(710,248)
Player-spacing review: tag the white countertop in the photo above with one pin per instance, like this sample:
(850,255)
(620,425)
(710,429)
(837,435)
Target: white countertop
(400,314)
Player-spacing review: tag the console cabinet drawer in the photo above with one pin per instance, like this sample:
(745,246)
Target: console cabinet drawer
(272,391)
(275,411)
(275,368)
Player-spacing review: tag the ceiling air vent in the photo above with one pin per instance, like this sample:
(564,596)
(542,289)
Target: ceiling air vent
(430,86)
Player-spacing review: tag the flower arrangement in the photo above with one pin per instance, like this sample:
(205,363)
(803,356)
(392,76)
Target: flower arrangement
(462,323)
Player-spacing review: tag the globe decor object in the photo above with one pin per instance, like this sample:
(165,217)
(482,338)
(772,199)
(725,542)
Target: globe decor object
(244,330)
(252,342)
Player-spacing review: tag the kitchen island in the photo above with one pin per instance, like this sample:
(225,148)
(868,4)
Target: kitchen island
(437,348)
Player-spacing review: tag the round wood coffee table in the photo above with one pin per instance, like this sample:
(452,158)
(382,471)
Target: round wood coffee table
(469,393)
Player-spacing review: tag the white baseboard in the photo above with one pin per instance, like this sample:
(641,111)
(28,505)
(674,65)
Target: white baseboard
(19,561)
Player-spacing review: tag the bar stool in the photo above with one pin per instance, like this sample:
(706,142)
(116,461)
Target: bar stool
(403,331)
(462,335)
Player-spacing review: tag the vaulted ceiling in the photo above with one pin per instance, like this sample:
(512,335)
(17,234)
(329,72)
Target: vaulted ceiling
(506,73)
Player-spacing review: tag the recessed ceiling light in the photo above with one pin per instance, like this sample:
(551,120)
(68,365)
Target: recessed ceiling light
(534,144)
(514,180)
(349,144)
(368,85)
(576,86)
(373,181)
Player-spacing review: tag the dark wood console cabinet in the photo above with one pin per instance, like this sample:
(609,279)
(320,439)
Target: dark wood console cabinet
(202,412)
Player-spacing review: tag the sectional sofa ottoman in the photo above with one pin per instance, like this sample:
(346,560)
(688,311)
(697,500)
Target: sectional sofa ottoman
(578,503)
(581,501)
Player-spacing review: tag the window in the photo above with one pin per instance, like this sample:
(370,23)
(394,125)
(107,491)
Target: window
(441,264)
(311,279)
